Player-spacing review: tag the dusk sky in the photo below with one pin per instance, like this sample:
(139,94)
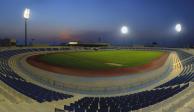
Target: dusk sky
(87,20)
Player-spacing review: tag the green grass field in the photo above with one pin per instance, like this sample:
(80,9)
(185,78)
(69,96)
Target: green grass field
(99,60)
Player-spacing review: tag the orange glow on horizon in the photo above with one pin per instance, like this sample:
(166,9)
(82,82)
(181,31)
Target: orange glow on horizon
(65,36)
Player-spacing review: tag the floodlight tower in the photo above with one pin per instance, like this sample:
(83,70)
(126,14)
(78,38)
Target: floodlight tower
(26,17)
(178,29)
(124,31)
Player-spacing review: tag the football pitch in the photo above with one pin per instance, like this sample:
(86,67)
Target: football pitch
(100,60)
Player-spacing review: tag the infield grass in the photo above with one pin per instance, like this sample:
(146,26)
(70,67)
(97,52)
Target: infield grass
(100,60)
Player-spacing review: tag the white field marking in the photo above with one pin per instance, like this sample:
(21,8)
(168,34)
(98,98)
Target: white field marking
(114,64)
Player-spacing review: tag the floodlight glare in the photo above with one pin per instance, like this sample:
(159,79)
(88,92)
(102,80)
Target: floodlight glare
(178,28)
(27,13)
(124,30)
(73,43)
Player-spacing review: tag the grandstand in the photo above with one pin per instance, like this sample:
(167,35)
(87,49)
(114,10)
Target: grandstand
(21,91)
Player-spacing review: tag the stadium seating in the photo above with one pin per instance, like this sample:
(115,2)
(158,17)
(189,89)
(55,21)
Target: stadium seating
(121,103)
(141,99)
(183,55)
(124,103)
(186,75)
(8,76)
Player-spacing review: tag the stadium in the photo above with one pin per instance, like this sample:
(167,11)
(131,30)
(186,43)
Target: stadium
(54,90)
(94,76)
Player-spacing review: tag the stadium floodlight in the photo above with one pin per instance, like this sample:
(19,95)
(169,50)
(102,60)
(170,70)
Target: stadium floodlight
(124,30)
(27,13)
(26,17)
(73,43)
(178,28)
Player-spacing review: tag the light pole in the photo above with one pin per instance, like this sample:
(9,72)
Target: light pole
(178,29)
(26,17)
(124,30)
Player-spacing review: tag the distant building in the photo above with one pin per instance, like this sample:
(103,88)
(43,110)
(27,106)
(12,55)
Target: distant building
(76,43)
(7,42)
